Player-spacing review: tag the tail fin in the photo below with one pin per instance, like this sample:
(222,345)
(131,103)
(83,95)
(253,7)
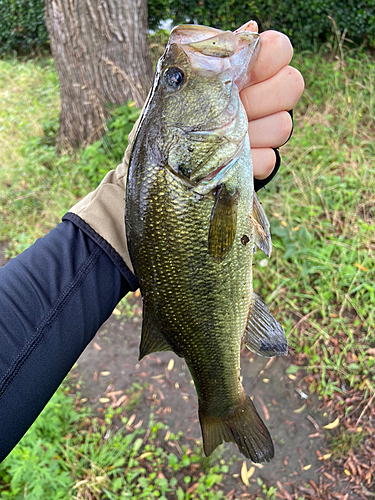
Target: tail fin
(243,427)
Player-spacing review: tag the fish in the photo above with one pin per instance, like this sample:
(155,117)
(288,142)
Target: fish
(193,221)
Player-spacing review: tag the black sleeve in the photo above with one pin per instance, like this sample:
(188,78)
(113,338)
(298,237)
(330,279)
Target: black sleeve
(258,184)
(53,298)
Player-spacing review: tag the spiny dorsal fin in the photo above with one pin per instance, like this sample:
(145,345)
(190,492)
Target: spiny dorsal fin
(152,340)
(263,334)
(223,224)
(262,235)
(243,426)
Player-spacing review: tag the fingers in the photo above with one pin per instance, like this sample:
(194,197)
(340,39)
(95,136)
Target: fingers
(279,93)
(270,131)
(275,52)
(264,160)
(249,26)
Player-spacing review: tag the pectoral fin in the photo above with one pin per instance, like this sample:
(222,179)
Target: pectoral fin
(263,334)
(261,225)
(152,339)
(223,224)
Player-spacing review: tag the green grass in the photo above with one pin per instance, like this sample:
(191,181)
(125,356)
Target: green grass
(69,453)
(320,282)
(322,213)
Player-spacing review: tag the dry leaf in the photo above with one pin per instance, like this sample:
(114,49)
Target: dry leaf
(325,457)
(347,472)
(131,420)
(145,455)
(307,467)
(300,410)
(244,473)
(170,365)
(333,424)
(360,267)
(292,377)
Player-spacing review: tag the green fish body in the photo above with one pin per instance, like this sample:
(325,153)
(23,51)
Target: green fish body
(192,221)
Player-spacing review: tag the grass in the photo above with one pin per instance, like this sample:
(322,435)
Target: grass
(320,282)
(322,211)
(69,453)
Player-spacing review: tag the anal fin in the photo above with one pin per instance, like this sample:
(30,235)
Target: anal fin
(263,334)
(243,426)
(262,235)
(152,340)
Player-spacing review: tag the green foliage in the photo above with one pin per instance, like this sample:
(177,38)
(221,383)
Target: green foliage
(34,181)
(71,453)
(22,26)
(306,23)
(98,158)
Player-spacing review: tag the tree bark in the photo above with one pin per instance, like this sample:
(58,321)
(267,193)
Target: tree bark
(101,53)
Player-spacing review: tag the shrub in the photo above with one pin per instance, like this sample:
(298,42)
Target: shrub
(22,27)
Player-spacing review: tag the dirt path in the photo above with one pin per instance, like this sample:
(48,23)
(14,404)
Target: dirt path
(110,364)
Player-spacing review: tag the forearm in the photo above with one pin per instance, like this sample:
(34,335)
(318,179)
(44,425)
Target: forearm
(53,298)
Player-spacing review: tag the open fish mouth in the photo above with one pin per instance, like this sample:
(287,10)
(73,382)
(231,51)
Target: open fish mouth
(216,50)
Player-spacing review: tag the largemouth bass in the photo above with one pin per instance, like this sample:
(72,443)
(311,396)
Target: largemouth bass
(192,220)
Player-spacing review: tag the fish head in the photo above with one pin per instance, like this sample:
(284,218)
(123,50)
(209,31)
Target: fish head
(196,93)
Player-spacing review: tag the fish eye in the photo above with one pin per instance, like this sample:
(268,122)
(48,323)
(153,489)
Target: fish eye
(173,77)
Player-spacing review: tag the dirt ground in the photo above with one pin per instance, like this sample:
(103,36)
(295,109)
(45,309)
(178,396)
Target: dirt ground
(109,364)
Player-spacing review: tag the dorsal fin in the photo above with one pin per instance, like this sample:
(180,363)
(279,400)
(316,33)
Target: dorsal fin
(263,334)
(262,235)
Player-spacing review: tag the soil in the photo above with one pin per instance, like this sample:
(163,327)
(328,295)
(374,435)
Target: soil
(110,364)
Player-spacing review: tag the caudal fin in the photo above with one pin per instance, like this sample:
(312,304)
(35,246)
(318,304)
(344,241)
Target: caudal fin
(243,427)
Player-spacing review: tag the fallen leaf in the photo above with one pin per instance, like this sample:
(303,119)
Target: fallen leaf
(325,457)
(360,267)
(300,410)
(347,472)
(167,435)
(170,365)
(123,399)
(333,424)
(307,467)
(292,377)
(246,474)
(131,420)
(97,346)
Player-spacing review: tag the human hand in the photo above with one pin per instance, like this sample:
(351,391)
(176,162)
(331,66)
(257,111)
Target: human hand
(273,89)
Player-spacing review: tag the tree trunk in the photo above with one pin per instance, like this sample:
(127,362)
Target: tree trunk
(102,56)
